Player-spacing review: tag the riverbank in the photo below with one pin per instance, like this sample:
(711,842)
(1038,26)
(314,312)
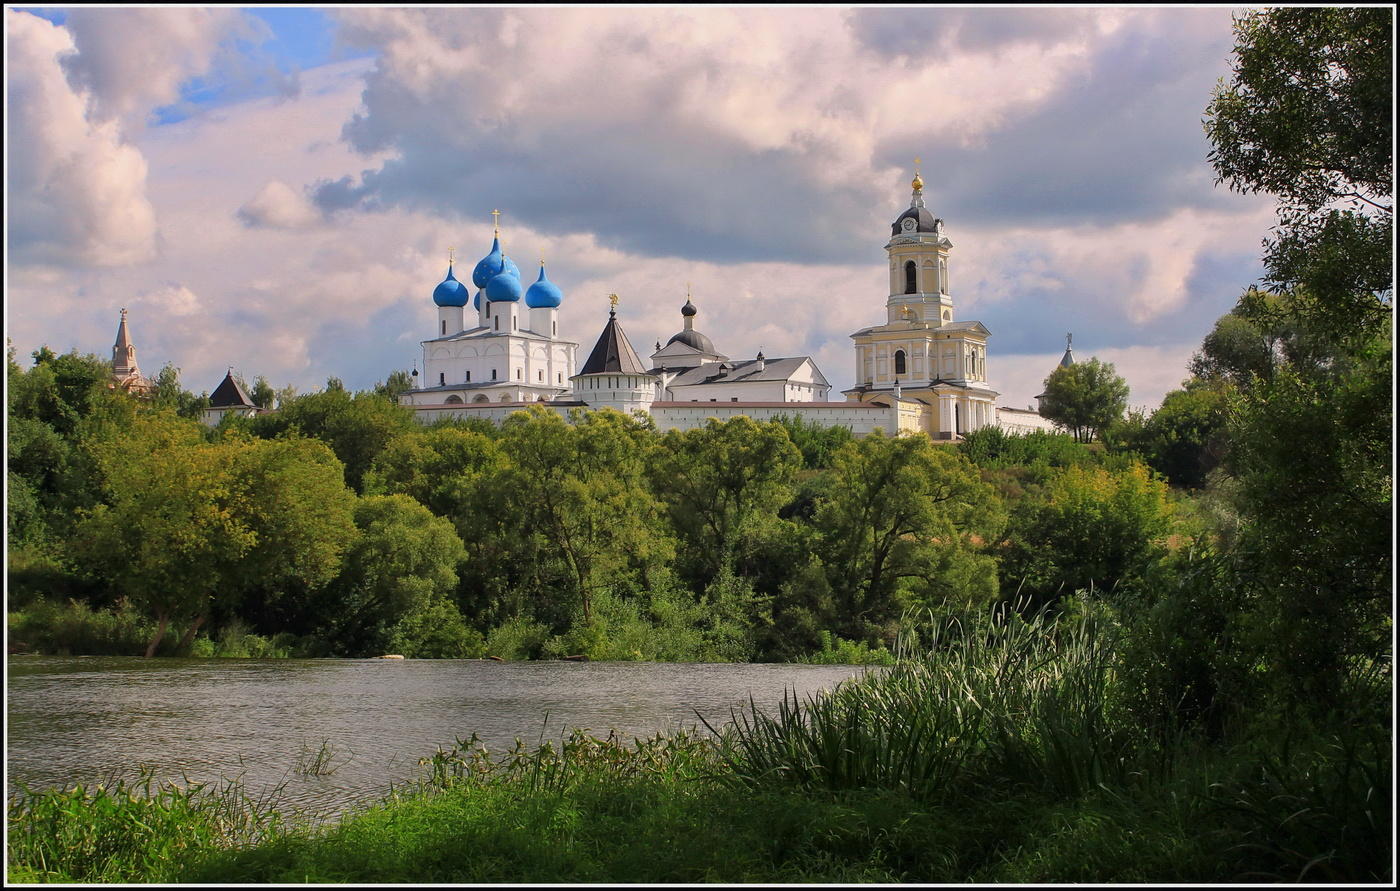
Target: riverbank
(1007,755)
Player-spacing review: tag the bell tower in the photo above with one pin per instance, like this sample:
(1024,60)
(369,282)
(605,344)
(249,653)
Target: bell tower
(918,254)
(931,366)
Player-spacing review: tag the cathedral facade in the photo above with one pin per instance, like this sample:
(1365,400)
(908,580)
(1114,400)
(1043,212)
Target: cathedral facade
(921,370)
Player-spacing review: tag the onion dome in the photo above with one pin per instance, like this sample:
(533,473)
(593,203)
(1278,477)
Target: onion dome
(476,301)
(689,336)
(543,293)
(491,265)
(451,292)
(503,288)
(510,266)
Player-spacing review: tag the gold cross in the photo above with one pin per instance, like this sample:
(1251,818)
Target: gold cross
(451,255)
(917,162)
(496,214)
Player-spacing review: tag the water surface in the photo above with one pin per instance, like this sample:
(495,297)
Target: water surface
(87,719)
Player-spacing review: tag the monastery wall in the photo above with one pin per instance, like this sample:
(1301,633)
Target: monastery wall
(861,418)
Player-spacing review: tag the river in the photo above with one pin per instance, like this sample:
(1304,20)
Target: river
(89,719)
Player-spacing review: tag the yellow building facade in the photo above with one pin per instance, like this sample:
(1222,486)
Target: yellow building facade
(923,357)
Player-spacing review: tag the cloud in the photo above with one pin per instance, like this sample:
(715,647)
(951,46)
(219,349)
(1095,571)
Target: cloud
(734,134)
(757,154)
(76,188)
(279,206)
(753,135)
(172,299)
(921,34)
(134,60)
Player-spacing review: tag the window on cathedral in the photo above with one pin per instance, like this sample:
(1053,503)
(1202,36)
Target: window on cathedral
(444,326)
(554,327)
(469,377)
(493,374)
(899,362)
(496,323)
(911,278)
(442,378)
(541,375)
(518,374)
(514,323)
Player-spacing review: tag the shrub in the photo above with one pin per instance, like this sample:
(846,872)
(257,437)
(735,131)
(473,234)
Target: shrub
(436,631)
(517,638)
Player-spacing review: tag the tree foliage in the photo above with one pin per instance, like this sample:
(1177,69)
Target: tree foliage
(718,482)
(1084,398)
(896,511)
(1307,118)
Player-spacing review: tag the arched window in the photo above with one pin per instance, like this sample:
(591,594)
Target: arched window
(899,361)
(481,398)
(454,399)
(444,326)
(911,278)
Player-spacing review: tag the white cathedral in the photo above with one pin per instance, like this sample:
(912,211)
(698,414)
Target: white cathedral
(498,349)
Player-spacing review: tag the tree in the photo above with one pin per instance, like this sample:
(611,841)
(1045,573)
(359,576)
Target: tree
(1184,439)
(1084,398)
(357,428)
(404,562)
(1094,528)
(397,382)
(291,495)
(168,533)
(578,495)
(897,508)
(167,392)
(1307,118)
(718,482)
(1307,115)
(262,394)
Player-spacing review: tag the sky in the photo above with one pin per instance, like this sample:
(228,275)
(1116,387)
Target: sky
(276,189)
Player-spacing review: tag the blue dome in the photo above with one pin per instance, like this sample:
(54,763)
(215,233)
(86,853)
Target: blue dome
(510,266)
(451,292)
(504,288)
(491,265)
(543,292)
(476,301)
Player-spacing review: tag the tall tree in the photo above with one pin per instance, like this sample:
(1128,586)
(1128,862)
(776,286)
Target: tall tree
(168,533)
(1307,118)
(403,562)
(897,513)
(1084,398)
(578,493)
(721,480)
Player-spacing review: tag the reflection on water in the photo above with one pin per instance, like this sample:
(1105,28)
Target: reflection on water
(87,719)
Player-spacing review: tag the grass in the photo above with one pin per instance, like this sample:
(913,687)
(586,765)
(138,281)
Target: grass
(323,762)
(1005,753)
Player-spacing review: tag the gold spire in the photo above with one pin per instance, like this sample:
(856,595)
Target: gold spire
(918,183)
(612,298)
(496,216)
(451,255)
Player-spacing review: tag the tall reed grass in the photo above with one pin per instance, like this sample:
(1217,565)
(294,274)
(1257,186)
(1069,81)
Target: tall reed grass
(999,701)
(122,830)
